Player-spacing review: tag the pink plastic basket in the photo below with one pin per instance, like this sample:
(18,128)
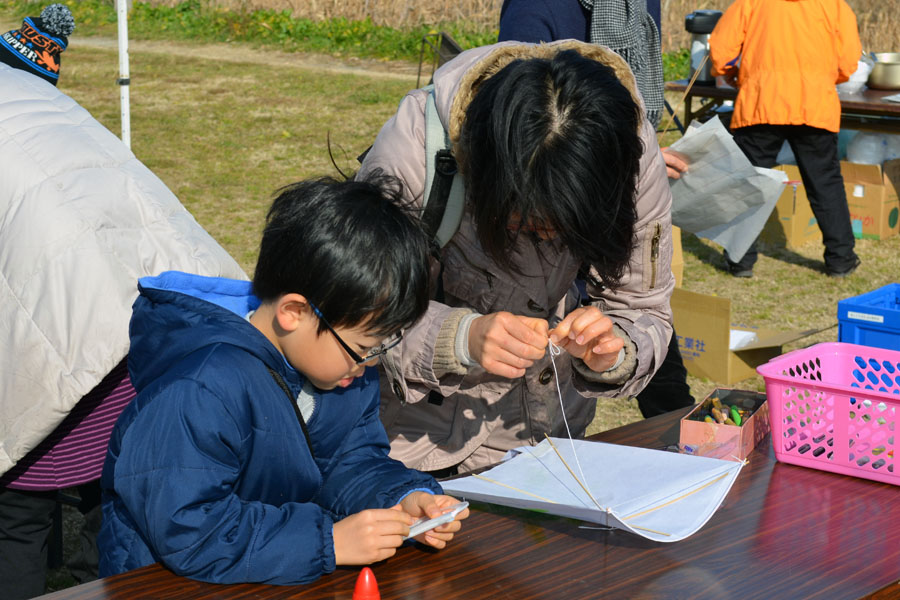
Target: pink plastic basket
(833,407)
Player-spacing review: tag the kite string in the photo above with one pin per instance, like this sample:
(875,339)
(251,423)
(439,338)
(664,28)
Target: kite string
(554,351)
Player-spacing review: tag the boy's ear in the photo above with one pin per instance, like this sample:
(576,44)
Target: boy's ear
(291,310)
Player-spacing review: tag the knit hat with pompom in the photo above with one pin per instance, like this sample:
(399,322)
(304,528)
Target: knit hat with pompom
(36,46)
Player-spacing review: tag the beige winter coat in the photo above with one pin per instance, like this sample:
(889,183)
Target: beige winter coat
(482,415)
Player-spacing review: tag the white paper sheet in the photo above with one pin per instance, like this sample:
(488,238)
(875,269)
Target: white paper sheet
(738,338)
(722,197)
(662,496)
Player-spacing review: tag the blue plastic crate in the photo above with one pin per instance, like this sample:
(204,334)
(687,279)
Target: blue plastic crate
(871,319)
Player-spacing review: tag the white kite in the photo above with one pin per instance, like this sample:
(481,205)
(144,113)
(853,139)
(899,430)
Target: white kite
(662,496)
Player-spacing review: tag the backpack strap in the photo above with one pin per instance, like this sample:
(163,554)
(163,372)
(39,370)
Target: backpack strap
(280,381)
(444,198)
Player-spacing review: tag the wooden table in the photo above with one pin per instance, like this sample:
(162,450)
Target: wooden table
(865,110)
(782,532)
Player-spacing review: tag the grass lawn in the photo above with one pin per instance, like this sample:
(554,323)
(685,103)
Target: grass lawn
(225,126)
(225,135)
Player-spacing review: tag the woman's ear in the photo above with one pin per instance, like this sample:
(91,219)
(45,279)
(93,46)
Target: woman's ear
(291,310)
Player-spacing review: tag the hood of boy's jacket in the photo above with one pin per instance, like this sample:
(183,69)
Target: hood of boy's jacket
(178,313)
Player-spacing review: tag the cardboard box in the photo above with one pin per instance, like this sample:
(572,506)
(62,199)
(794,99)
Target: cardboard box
(677,256)
(792,223)
(719,440)
(872,198)
(703,326)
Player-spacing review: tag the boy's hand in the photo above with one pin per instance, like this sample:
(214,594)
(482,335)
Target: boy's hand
(587,333)
(370,535)
(506,344)
(423,504)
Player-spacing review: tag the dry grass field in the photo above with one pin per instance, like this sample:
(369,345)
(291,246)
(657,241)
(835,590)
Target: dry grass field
(879,20)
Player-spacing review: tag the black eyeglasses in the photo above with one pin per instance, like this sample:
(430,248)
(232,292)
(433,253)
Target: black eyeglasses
(371,354)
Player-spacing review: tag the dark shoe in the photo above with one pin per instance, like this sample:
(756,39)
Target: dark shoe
(845,272)
(737,269)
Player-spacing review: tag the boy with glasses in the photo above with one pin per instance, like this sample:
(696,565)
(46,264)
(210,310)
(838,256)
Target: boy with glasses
(254,451)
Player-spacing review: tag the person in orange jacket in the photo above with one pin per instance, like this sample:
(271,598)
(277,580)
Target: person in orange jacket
(785,57)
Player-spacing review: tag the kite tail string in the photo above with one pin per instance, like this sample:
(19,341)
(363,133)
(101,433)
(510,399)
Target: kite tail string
(556,351)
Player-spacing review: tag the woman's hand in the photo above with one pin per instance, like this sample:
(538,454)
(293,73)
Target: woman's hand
(586,333)
(731,77)
(370,535)
(676,163)
(506,344)
(423,504)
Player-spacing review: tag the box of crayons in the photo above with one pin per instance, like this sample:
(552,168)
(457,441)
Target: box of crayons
(727,424)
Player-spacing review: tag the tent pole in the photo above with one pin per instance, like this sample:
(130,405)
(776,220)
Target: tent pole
(124,80)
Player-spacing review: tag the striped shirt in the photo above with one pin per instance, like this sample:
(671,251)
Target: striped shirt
(74,452)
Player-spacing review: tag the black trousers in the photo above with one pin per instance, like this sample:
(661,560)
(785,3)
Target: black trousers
(668,389)
(816,151)
(25,521)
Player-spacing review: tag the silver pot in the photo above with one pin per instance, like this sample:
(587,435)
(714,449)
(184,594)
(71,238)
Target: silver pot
(885,73)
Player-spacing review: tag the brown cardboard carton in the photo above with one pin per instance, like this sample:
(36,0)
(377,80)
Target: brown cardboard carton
(677,256)
(872,198)
(703,325)
(719,440)
(792,222)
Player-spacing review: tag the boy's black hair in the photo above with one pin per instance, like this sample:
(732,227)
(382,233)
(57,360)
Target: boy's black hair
(554,142)
(351,248)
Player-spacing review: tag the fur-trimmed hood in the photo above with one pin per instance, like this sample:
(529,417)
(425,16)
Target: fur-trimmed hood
(454,92)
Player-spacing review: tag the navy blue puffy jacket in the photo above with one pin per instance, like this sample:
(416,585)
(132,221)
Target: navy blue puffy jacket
(208,470)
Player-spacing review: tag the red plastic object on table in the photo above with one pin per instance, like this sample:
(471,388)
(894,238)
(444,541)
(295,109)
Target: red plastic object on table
(366,586)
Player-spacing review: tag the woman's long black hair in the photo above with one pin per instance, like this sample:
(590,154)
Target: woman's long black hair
(554,143)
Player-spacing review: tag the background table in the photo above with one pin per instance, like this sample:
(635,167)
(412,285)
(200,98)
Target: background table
(865,110)
(782,532)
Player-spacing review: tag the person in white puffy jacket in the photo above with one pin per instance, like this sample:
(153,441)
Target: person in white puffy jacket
(81,219)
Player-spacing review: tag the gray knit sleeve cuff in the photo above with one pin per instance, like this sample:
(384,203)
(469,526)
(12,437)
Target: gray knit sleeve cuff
(620,373)
(445,359)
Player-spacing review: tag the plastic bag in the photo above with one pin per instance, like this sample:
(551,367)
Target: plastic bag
(845,136)
(892,148)
(867,148)
(858,79)
(786,155)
